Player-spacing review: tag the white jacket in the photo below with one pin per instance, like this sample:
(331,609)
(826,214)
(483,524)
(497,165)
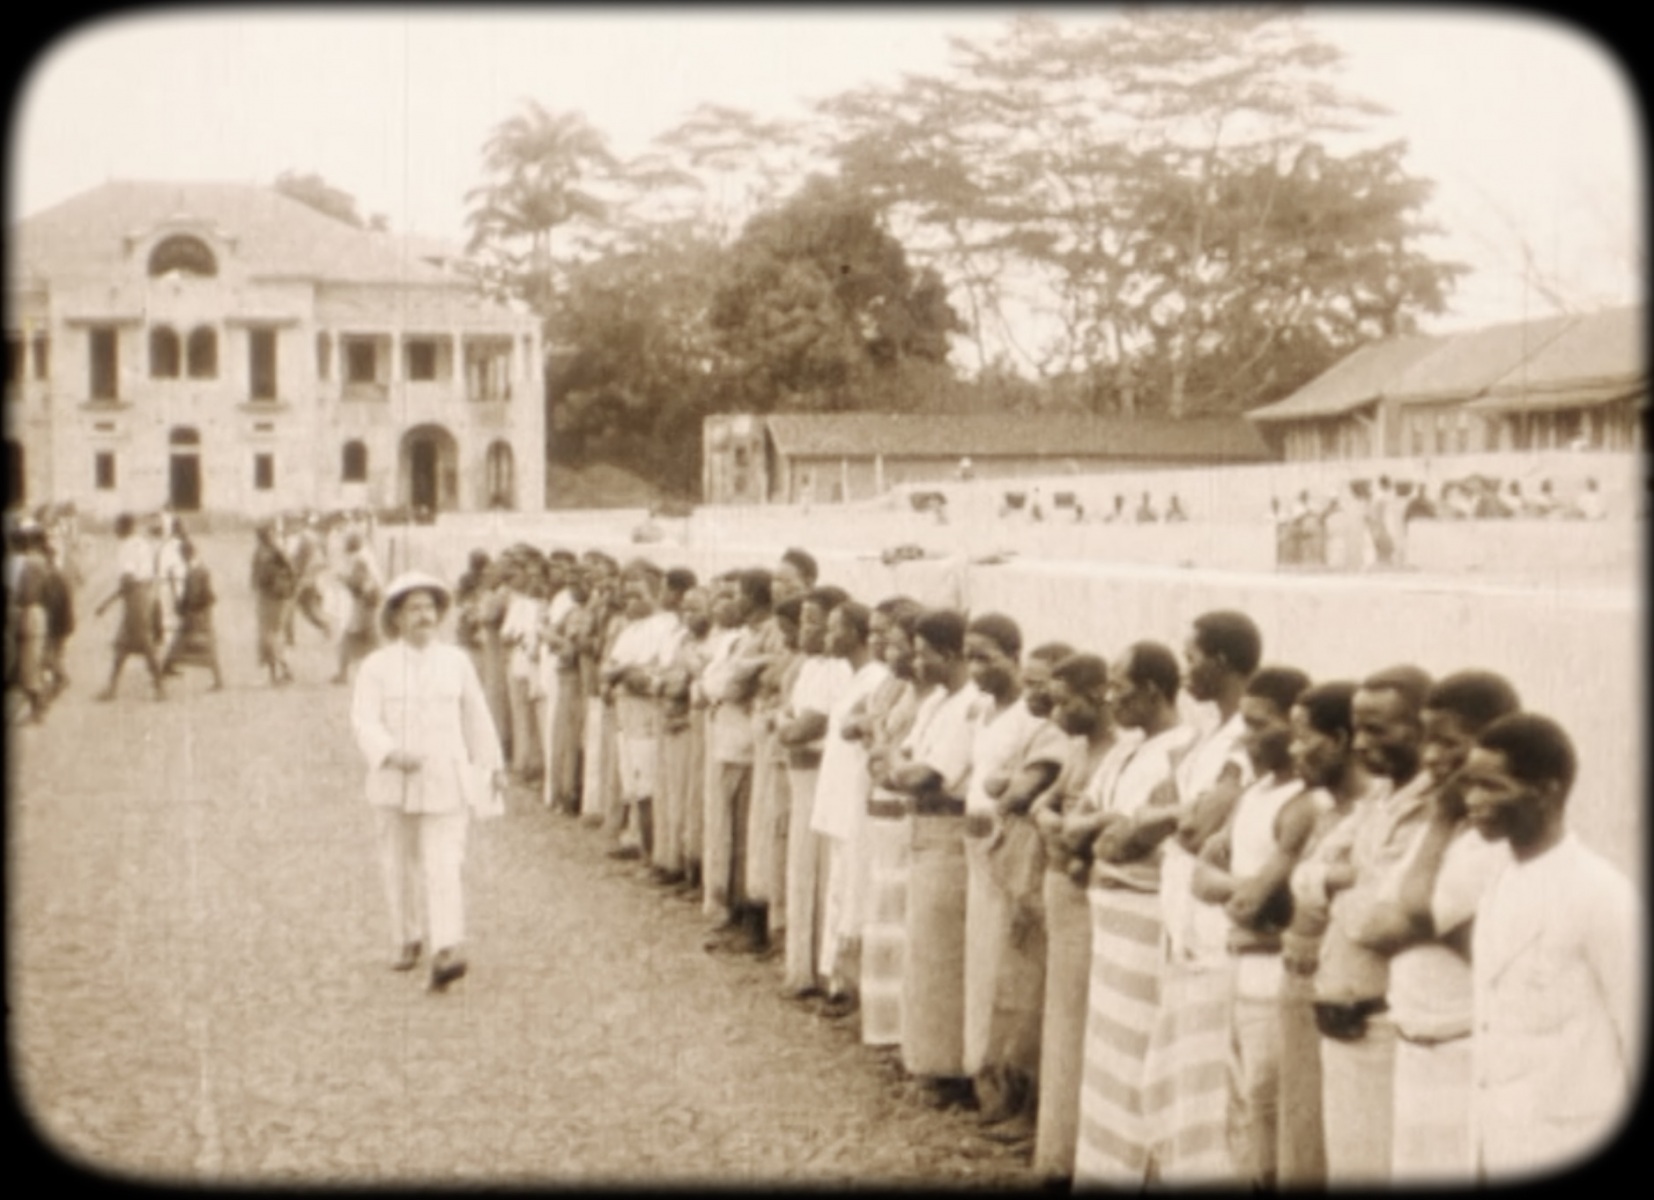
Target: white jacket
(1556,966)
(429,703)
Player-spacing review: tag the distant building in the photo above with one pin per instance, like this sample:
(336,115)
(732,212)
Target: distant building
(1531,385)
(786,458)
(222,347)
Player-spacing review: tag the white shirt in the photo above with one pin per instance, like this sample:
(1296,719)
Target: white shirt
(1251,843)
(1196,931)
(646,642)
(1430,993)
(1006,740)
(1557,969)
(520,629)
(1131,773)
(843,785)
(729,723)
(426,702)
(942,735)
(821,680)
(135,558)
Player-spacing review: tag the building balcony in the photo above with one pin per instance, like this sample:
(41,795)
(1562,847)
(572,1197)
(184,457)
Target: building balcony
(371,392)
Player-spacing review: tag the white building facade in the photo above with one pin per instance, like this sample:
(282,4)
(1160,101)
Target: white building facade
(224,348)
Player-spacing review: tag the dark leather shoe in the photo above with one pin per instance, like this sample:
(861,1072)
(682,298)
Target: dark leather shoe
(409,956)
(446,967)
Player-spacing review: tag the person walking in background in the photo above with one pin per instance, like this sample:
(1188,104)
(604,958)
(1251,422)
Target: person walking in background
(364,585)
(135,589)
(58,596)
(170,569)
(275,583)
(307,549)
(26,619)
(194,641)
(433,755)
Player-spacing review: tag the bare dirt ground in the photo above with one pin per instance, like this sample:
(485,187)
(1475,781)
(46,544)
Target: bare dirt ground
(199,993)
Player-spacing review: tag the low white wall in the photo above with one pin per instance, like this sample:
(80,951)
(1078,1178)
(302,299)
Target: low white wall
(1575,653)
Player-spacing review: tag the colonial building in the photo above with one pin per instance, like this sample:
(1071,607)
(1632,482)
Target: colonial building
(1556,382)
(223,348)
(788,458)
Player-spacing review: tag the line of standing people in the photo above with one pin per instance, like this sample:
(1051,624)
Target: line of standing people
(1162,919)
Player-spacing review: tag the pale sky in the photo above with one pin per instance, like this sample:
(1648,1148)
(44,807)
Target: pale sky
(1528,127)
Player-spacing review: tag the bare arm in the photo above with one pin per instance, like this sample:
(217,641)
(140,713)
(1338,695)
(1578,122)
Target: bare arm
(1293,826)
(1030,782)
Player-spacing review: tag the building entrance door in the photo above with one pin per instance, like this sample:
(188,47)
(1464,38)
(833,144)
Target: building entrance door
(14,473)
(184,483)
(422,482)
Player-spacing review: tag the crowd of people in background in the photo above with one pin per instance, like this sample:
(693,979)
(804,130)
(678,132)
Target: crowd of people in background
(318,566)
(42,575)
(1369,523)
(1154,916)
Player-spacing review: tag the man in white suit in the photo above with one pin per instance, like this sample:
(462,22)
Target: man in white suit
(433,753)
(1555,965)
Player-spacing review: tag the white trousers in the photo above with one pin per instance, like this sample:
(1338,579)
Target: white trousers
(421,855)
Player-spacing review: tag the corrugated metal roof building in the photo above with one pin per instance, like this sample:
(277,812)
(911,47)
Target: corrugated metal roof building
(1524,385)
(794,457)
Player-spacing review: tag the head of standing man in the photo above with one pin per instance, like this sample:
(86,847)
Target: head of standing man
(1387,716)
(415,604)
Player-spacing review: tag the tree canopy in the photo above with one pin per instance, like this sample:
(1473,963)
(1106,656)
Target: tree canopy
(1171,211)
(310,188)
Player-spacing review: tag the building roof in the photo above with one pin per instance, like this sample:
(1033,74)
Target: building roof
(1467,364)
(275,236)
(1358,379)
(1597,353)
(989,436)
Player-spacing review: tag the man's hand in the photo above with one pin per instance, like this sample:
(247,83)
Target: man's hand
(1447,805)
(401,760)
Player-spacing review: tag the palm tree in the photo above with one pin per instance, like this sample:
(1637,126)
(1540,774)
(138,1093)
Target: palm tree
(537,164)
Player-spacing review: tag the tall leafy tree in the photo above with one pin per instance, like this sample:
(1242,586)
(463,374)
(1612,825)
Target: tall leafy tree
(643,366)
(1147,177)
(818,307)
(544,172)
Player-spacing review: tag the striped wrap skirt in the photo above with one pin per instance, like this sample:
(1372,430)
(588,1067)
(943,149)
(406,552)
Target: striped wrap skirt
(1113,1147)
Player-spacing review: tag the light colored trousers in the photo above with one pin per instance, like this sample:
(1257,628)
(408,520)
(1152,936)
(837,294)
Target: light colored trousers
(1358,1105)
(672,791)
(1254,1132)
(1433,1086)
(525,738)
(724,848)
(421,855)
(986,926)
(1062,1044)
(933,983)
(806,881)
(596,735)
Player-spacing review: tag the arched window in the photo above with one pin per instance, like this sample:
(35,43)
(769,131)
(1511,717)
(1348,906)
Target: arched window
(202,353)
(499,481)
(184,254)
(354,465)
(163,353)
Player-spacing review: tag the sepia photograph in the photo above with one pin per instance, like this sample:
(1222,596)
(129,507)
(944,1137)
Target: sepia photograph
(983,597)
